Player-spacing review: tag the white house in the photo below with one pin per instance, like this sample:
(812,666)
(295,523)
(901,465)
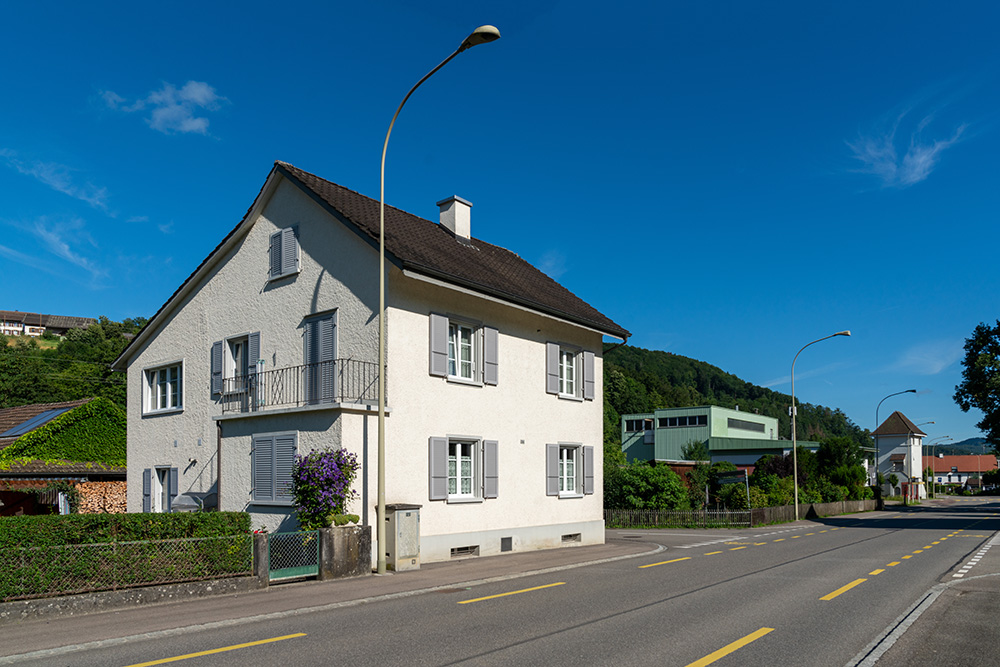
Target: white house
(494,375)
(900,451)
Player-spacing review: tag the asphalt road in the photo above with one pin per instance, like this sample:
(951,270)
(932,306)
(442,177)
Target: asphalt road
(816,593)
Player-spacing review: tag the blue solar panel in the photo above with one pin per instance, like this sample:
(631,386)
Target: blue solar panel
(34,422)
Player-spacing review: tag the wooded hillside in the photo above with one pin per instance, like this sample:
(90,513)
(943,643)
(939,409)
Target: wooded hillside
(638,380)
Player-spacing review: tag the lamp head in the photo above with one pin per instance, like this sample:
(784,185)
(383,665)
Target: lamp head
(843,333)
(481,35)
(910,391)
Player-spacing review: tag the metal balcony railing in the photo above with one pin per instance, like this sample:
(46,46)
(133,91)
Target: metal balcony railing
(337,381)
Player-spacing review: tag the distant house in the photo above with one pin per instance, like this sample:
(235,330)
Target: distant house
(741,438)
(899,443)
(79,443)
(16,323)
(269,349)
(960,470)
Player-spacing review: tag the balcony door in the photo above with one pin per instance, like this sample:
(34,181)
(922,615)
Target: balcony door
(320,358)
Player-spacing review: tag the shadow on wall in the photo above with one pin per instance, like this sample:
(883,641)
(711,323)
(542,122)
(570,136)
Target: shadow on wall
(275,519)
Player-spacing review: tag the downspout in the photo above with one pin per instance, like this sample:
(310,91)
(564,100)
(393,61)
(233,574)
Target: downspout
(218,465)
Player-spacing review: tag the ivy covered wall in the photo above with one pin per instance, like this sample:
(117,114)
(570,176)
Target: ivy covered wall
(91,433)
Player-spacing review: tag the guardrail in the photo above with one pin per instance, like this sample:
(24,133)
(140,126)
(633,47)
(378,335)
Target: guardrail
(336,381)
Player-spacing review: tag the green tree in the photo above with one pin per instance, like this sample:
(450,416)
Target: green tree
(696,450)
(980,385)
(643,486)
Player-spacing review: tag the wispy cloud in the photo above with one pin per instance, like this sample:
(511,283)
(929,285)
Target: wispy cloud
(172,110)
(63,239)
(904,149)
(930,358)
(553,264)
(59,177)
(787,379)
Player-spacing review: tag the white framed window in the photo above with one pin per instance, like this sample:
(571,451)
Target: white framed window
(237,357)
(569,470)
(462,469)
(569,372)
(163,388)
(463,351)
(234,360)
(570,482)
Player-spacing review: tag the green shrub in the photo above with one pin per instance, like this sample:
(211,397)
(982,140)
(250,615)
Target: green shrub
(92,432)
(643,486)
(55,530)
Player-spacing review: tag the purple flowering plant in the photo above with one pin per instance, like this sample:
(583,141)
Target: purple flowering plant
(321,486)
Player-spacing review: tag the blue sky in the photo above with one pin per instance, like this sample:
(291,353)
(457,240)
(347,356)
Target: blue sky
(728,181)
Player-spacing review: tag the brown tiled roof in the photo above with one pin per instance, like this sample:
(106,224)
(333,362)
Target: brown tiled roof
(36,468)
(426,247)
(423,246)
(897,424)
(52,321)
(11,417)
(965,463)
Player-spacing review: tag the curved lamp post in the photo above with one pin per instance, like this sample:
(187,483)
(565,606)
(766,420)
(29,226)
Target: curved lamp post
(795,455)
(877,452)
(480,35)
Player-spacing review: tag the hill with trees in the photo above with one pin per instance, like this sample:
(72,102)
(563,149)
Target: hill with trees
(638,380)
(53,369)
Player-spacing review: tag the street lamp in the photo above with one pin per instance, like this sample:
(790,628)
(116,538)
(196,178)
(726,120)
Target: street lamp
(481,35)
(877,452)
(795,455)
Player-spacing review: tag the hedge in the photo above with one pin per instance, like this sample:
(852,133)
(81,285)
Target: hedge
(56,530)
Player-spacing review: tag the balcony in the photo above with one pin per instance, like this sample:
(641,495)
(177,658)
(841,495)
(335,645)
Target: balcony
(329,382)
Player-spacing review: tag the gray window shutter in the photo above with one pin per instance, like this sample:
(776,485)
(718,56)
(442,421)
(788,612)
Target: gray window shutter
(217,367)
(320,351)
(551,368)
(147,484)
(262,457)
(172,489)
(275,254)
(490,340)
(438,468)
(490,472)
(289,251)
(588,375)
(253,351)
(588,470)
(284,461)
(552,470)
(439,345)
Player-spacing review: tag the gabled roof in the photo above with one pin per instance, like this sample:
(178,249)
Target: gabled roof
(415,244)
(898,424)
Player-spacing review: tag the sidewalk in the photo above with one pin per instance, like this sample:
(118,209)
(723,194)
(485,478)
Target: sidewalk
(61,629)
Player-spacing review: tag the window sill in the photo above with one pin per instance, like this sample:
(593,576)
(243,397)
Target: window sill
(570,495)
(461,500)
(460,380)
(274,503)
(157,413)
(571,397)
(272,279)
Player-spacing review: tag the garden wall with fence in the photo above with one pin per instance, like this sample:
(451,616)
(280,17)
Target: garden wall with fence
(760,516)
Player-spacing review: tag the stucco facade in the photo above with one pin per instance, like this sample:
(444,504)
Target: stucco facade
(508,420)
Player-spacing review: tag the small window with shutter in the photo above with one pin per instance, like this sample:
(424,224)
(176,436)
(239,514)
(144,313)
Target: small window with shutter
(463,351)
(569,372)
(462,469)
(284,253)
(272,458)
(569,470)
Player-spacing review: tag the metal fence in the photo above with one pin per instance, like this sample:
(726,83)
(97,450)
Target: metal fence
(667,519)
(35,572)
(337,381)
(292,555)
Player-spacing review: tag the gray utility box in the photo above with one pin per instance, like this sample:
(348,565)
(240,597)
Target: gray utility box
(402,536)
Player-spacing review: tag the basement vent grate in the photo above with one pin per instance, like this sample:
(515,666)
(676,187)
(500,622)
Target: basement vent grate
(572,537)
(506,544)
(459,552)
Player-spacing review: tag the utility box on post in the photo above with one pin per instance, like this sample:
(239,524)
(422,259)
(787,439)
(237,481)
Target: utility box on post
(402,536)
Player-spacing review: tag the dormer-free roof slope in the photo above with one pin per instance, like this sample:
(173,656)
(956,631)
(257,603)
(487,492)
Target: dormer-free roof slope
(421,246)
(898,424)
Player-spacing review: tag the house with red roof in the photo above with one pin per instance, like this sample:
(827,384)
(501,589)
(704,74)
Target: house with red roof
(961,470)
(268,350)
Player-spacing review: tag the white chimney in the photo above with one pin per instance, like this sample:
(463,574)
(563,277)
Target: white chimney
(456,216)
